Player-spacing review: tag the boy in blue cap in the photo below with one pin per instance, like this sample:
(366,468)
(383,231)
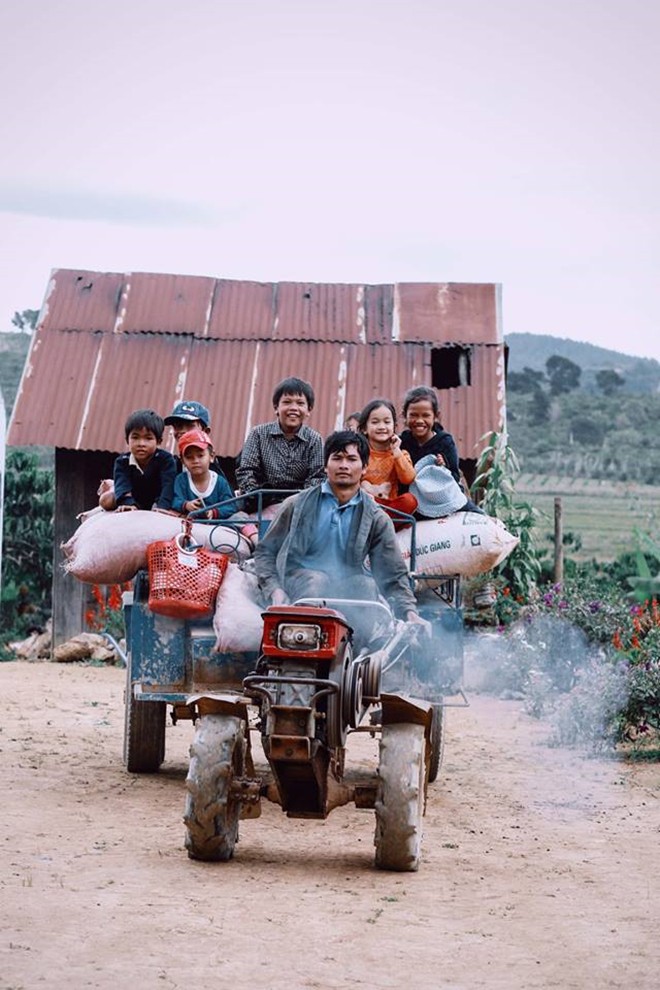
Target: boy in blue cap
(191,415)
(188,415)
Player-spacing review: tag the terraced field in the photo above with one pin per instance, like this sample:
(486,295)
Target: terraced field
(604,514)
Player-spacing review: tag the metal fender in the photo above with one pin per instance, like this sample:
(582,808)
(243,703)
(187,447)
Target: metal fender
(398,708)
(219,704)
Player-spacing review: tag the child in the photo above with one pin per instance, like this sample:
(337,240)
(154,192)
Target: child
(144,477)
(188,415)
(425,435)
(284,454)
(198,486)
(389,466)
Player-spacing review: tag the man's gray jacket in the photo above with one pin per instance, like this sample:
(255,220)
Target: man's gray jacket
(371,536)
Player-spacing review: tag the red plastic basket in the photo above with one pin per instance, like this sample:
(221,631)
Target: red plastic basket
(183,582)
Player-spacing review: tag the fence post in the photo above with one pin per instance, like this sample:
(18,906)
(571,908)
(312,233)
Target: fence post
(559,541)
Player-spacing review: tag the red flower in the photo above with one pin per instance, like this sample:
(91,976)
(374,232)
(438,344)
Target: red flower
(114,597)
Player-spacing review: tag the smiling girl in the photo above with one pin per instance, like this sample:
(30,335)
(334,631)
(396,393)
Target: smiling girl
(389,466)
(424,434)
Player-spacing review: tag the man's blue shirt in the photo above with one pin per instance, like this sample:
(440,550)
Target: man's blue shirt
(327,549)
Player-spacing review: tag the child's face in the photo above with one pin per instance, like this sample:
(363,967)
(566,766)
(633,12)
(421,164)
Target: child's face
(142,444)
(380,428)
(197,460)
(291,412)
(420,420)
(181,426)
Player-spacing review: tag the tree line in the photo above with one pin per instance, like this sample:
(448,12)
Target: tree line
(557,427)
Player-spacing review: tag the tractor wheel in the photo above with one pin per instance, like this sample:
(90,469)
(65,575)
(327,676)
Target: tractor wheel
(437,741)
(400,797)
(144,731)
(217,756)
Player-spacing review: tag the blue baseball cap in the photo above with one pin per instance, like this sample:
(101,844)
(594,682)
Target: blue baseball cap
(190,410)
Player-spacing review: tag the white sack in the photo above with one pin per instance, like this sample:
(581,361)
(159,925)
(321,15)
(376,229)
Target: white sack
(237,622)
(465,543)
(110,547)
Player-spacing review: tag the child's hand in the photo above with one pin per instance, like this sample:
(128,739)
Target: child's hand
(106,493)
(395,443)
(193,505)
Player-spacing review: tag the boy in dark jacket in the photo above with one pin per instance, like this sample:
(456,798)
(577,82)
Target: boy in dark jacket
(143,478)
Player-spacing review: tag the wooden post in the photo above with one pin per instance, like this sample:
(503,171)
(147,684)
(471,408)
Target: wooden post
(559,541)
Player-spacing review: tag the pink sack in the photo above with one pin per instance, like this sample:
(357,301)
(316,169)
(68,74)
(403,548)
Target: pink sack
(110,547)
(237,622)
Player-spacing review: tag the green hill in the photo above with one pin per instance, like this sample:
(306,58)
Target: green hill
(530,350)
(599,453)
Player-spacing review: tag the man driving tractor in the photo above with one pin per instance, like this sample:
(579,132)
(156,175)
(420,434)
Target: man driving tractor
(318,545)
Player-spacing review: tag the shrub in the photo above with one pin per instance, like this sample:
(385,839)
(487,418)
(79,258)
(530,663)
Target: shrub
(624,681)
(497,472)
(27,546)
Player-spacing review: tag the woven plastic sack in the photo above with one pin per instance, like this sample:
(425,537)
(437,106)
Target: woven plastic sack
(110,547)
(465,543)
(237,621)
(183,581)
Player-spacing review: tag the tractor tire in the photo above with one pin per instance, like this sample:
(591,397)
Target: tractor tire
(144,731)
(217,755)
(400,797)
(437,742)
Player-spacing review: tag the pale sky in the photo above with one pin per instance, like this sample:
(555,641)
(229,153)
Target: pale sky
(511,141)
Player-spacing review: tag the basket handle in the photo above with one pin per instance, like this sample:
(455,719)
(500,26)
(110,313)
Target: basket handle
(184,540)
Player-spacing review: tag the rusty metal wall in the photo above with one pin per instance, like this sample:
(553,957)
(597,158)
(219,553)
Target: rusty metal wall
(107,344)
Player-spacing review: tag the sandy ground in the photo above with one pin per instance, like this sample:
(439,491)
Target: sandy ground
(539,868)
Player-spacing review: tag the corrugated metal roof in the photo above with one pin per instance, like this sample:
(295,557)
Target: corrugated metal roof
(107,344)
(165,304)
(448,312)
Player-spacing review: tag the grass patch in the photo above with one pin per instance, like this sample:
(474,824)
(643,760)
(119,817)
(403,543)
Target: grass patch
(604,514)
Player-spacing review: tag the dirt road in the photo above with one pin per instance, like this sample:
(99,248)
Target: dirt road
(539,869)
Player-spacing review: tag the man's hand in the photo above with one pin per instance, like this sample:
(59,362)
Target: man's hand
(415,619)
(279,597)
